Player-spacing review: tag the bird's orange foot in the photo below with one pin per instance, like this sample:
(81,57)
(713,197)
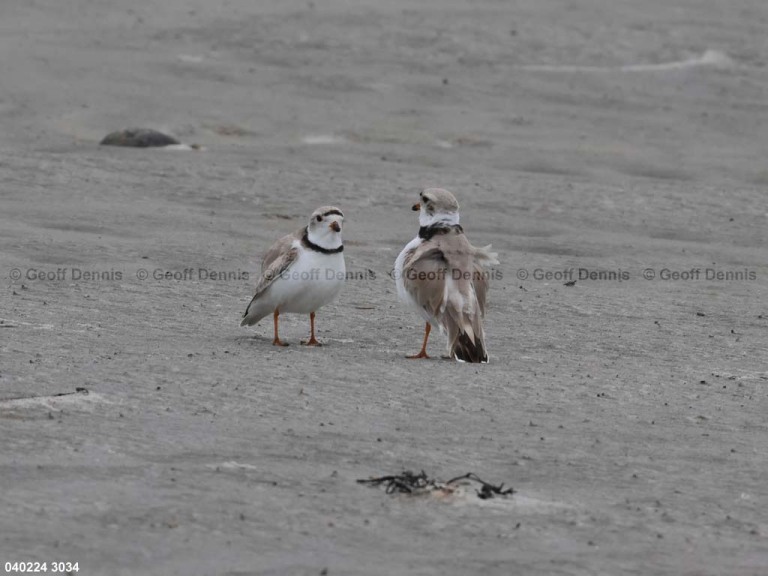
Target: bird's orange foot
(418,356)
(311,342)
(278,342)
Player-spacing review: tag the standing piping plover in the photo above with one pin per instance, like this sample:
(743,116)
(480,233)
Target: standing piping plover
(301,272)
(442,275)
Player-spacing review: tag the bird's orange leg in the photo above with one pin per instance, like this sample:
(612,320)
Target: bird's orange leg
(312,340)
(423,353)
(277,341)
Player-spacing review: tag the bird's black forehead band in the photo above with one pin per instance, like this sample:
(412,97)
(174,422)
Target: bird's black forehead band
(338,212)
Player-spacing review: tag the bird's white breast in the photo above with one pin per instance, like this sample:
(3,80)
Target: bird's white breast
(314,280)
(402,293)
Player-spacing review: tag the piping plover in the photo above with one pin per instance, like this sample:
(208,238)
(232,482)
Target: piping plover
(301,272)
(442,275)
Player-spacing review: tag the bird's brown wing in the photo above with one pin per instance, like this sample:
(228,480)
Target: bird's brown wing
(480,282)
(464,306)
(482,257)
(279,258)
(279,249)
(424,277)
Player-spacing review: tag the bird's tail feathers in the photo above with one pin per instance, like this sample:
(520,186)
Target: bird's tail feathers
(466,338)
(467,349)
(253,314)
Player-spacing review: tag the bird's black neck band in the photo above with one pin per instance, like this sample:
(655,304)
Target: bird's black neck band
(312,246)
(426,232)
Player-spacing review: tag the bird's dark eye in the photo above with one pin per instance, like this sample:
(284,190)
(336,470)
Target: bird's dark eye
(319,218)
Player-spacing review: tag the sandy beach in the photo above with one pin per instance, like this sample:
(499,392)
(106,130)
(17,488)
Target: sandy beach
(622,145)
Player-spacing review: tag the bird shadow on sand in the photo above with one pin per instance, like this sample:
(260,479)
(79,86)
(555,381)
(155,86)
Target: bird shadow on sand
(260,340)
(251,340)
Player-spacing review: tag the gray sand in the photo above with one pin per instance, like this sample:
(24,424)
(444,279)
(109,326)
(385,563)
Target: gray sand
(629,414)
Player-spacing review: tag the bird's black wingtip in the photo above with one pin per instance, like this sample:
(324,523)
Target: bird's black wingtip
(465,350)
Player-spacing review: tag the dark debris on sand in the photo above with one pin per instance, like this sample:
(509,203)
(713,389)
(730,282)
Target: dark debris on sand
(408,482)
(138,138)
